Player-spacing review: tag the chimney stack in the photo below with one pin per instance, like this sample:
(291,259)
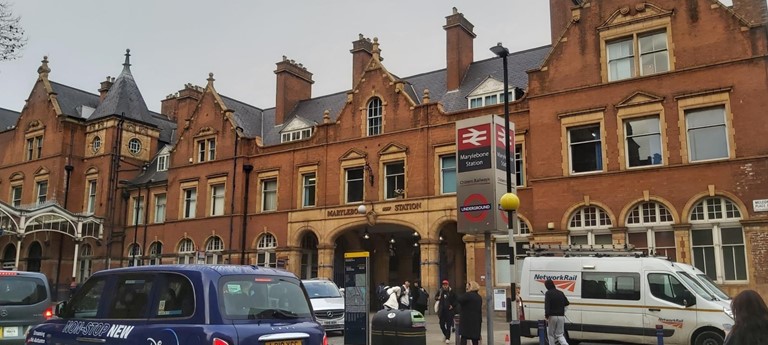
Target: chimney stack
(459,48)
(294,84)
(362,52)
(105,86)
(755,11)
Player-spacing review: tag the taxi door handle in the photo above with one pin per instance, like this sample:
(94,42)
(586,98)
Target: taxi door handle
(654,309)
(92,340)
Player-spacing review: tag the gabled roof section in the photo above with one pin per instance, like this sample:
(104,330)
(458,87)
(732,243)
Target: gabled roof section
(297,123)
(639,98)
(246,116)
(310,110)
(640,12)
(487,86)
(72,100)
(8,119)
(124,97)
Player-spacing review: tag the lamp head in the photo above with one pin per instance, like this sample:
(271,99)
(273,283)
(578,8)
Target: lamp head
(392,239)
(361,209)
(509,202)
(500,50)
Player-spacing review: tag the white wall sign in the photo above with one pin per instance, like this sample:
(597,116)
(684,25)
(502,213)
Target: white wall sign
(760,205)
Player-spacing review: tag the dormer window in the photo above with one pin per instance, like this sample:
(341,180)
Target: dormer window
(296,135)
(162,162)
(489,92)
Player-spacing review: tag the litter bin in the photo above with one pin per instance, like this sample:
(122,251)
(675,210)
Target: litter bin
(402,327)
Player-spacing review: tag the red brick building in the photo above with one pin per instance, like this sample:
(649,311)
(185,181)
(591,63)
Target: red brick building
(639,124)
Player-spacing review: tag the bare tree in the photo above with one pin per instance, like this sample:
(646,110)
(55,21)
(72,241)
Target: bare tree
(12,39)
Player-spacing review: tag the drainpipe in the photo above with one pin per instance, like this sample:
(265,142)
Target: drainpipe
(68,168)
(247,168)
(232,198)
(145,252)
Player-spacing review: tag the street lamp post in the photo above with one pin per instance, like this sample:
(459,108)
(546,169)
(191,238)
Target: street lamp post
(509,201)
(135,220)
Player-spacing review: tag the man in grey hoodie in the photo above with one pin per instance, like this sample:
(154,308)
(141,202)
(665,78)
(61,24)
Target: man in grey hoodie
(554,311)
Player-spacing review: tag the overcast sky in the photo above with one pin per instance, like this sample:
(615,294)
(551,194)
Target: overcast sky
(174,42)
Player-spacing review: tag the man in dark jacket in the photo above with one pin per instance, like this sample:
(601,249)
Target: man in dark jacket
(445,311)
(554,311)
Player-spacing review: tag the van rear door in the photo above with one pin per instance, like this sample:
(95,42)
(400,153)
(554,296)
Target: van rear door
(23,302)
(665,307)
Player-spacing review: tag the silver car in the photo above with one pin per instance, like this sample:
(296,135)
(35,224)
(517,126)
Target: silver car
(327,302)
(25,301)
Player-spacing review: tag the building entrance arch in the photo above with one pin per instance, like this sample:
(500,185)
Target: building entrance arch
(395,254)
(453,257)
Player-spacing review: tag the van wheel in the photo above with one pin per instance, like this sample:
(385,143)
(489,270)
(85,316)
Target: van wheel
(709,338)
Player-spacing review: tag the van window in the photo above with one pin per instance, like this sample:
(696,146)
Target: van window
(666,287)
(177,298)
(85,303)
(18,290)
(252,297)
(607,285)
(131,297)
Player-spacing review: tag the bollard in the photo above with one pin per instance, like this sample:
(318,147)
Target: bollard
(456,333)
(542,332)
(660,334)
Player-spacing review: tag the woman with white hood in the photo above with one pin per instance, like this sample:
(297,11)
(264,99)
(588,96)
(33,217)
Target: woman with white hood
(392,302)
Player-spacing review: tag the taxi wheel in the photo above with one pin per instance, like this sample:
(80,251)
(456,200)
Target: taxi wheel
(709,338)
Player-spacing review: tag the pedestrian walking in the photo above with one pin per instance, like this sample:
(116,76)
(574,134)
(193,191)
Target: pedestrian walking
(750,314)
(393,302)
(446,300)
(420,298)
(554,312)
(471,314)
(405,296)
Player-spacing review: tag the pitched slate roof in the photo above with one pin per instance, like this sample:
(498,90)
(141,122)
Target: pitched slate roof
(167,128)
(248,117)
(8,119)
(454,100)
(124,97)
(72,100)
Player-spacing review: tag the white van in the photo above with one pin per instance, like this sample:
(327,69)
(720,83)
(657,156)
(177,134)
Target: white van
(625,298)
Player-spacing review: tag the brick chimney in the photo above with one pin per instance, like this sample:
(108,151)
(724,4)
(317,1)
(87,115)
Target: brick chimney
(179,106)
(105,86)
(362,51)
(559,17)
(294,84)
(755,11)
(459,48)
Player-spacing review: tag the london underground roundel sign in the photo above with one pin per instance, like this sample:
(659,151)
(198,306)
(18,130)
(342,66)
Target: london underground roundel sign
(475,208)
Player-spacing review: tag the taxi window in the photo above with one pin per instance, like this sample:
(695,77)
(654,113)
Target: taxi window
(131,297)
(251,297)
(85,303)
(177,298)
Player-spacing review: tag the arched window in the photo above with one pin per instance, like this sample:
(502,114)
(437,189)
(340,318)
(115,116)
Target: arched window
(86,263)
(9,257)
(186,252)
(308,256)
(134,255)
(374,116)
(265,251)
(589,225)
(33,259)
(650,229)
(213,250)
(717,239)
(156,253)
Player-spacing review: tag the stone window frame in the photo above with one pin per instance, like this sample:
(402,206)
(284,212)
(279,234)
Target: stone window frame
(440,152)
(135,146)
(581,119)
(16,181)
(267,248)
(214,250)
(216,182)
(590,231)
(651,228)
(263,177)
(634,30)
(707,99)
(716,225)
(301,172)
(387,159)
(185,251)
(182,200)
(368,116)
(155,253)
(208,152)
(633,112)
(155,197)
(355,163)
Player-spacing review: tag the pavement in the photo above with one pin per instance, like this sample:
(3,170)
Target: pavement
(435,336)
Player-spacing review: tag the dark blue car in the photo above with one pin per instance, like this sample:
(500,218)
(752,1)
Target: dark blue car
(185,305)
